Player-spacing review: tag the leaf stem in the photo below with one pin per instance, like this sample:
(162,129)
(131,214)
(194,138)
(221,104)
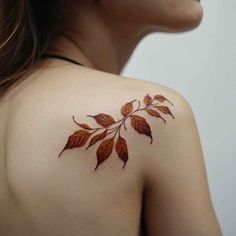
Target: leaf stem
(82,127)
(122,120)
(125,118)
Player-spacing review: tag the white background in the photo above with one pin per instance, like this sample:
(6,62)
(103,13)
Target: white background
(201,65)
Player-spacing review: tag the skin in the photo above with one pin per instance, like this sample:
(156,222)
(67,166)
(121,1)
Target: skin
(163,188)
(120,26)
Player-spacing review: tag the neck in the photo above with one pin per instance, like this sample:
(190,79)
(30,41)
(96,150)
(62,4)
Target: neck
(96,42)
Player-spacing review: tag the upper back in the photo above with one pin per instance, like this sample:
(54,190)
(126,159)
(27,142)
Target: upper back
(88,153)
(40,118)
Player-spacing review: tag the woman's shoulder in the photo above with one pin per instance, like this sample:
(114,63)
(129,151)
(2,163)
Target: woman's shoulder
(52,102)
(65,90)
(124,119)
(76,81)
(80,78)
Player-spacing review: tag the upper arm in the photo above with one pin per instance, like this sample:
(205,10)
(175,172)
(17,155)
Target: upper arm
(177,198)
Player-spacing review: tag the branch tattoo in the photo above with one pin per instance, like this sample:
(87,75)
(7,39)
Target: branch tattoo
(106,121)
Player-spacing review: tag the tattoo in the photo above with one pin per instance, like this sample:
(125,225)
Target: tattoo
(81,136)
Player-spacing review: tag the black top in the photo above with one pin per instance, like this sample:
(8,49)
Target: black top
(51,55)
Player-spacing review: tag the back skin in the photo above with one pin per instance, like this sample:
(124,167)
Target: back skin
(162,190)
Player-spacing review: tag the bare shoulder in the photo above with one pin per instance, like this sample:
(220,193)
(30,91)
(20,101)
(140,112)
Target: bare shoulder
(73,109)
(71,94)
(69,124)
(58,102)
(177,198)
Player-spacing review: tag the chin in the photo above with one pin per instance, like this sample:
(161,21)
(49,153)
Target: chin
(186,20)
(193,20)
(180,21)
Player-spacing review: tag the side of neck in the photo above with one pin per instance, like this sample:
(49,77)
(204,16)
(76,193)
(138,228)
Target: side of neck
(97,42)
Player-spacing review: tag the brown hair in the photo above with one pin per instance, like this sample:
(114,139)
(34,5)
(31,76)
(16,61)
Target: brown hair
(25,30)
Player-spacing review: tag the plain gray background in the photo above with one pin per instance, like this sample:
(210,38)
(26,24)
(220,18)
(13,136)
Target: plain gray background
(201,65)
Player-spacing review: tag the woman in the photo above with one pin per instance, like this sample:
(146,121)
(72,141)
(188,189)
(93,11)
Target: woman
(84,150)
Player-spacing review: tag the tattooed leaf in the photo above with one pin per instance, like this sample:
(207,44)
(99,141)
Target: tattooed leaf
(165,110)
(141,125)
(104,150)
(85,126)
(104,120)
(152,112)
(161,98)
(127,108)
(97,138)
(147,100)
(122,149)
(77,139)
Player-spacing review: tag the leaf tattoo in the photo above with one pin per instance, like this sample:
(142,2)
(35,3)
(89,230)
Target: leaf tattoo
(104,150)
(152,112)
(106,121)
(97,137)
(141,125)
(147,100)
(77,139)
(161,98)
(165,110)
(127,108)
(122,149)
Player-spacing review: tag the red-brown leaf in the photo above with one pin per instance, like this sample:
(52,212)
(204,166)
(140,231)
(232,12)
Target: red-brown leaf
(122,149)
(152,112)
(147,100)
(104,150)
(85,126)
(141,125)
(165,110)
(161,98)
(97,138)
(104,120)
(127,108)
(77,139)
